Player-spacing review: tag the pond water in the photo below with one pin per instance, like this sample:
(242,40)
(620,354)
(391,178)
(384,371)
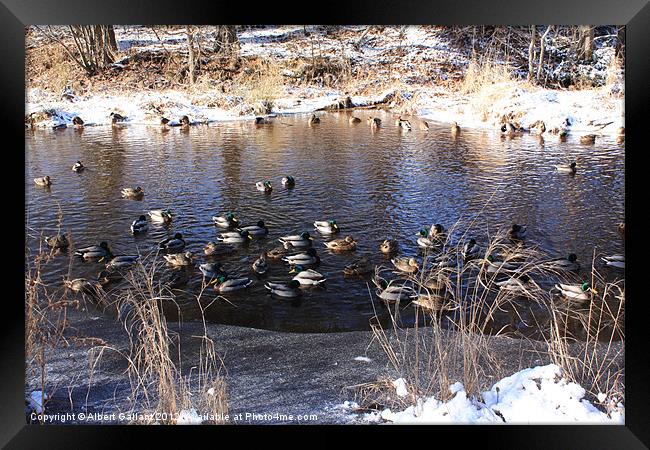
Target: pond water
(374,184)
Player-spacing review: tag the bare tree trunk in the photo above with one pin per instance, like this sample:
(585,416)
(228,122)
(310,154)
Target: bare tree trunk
(226,41)
(111,39)
(541,53)
(531,52)
(586,43)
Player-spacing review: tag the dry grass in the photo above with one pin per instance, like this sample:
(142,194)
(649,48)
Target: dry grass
(260,85)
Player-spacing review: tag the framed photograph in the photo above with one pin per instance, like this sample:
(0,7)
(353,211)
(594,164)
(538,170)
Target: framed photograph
(385,217)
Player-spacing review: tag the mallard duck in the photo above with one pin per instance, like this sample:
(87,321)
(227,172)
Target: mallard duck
(455,129)
(264,186)
(177,278)
(76,120)
(403,124)
(184,121)
(563,135)
(130,192)
(508,128)
(617,261)
(307,277)
(433,302)
(223,285)
(115,117)
(279,251)
(395,293)
(173,243)
(301,240)
(94,251)
(499,266)
(354,120)
(256,230)
(43,181)
(426,241)
(78,167)
(288,181)
(212,270)
(588,139)
(374,122)
(235,237)
(228,221)
(58,241)
(445,260)
(424,125)
(262,121)
(575,291)
(179,259)
(567,168)
(107,276)
(215,248)
(437,231)
(621,228)
(140,225)
(517,232)
(569,263)
(122,262)
(327,226)
(389,246)
(164,121)
(517,285)
(289,290)
(407,265)
(161,215)
(313,120)
(359,267)
(470,250)
(82,285)
(342,245)
(260,266)
(538,127)
(307,258)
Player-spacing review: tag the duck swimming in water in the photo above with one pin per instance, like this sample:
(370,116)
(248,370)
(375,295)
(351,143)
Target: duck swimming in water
(235,237)
(78,167)
(288,181)
(180,259)
(307,258)
(359,267)
(228,221)
(569,263)
(43,181)
(122,262)
(139,225)
(260,266)
(173,243)
(307,277)
(212,270)
(279,251)
(342,245)
(94,251)
(567,168)
(223,285)
(130,192)
(256,230)
(327,226)
(407,265)
(470,250)
(264,186)
(517,232)
(287,290)
(59,241)
(389,246)
(578,292)
(313,120)
(301,240)
(617,261)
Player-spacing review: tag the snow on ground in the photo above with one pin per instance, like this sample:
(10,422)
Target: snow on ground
(538,395)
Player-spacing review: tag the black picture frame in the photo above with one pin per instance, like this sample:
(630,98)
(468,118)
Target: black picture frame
(15,14)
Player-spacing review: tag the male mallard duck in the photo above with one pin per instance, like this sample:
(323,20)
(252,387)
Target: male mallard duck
(256,230)
(76,121)
(374,122)
(389,246)
(279,251)
(122,262)
(228,221)
(569,263)
(43,181)
(354,120)
(212,270)
(78,167)
(342,245)
(567,168)
(82,285)
(508,128)
(455,129)
(260,266)
(313,119)
(517,285)
(617,261)
(327,226)
(223,285)
(424,126)
(179,259)
(576,291)
(426,241)
(403,124)
(115,117)
(391,293)
(130,192)
(359,267)
(445,260)
(301,240)
(139,225)
(288,181)
(499,266)
(588,139)
(164,121)
(59,241)
(307,258)
(289,290)
(173,243)
(264,186)
(408,265)
(235,237)
(160,215)
(517,232)
(470,250)
(94,251)
(184,121)
(307,277)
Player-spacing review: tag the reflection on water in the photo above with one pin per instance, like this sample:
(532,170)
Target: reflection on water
(375,184)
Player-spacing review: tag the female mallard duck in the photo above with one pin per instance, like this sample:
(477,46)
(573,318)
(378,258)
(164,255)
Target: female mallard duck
(94,251)
(173,243)
(389,246)
(307,258)
(256,230)
(576,291)
(235,237)
(313,120)
(77,122)
(130,192)
(82,285)
(403,124)
(301,240)
(470,250)
(617,261)
(354,120)
(139,225)
(288,181)
(43,181)
(78,167)
(264,186)
(424,125)
(279,251)
(260,266)
(214,248)
(522,285)
(115,117)
(228,221)
(437,231)
(569,263)
(223,285)
(359,267)
(588,139)
(212,270)
(517,232)
(184,121)
(122,262)
(407,265)
(342,245)
(58,241)
(161,215)
(327,226)
(307,277)
(567,168)
(179,259)
(455,129)
(374,122)
(288,290)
